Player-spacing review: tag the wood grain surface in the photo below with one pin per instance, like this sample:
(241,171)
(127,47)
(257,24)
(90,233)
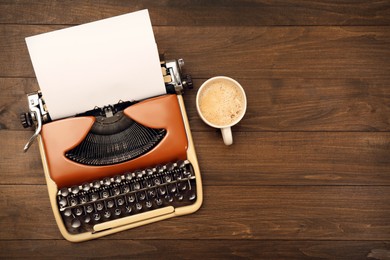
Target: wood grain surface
(308,176)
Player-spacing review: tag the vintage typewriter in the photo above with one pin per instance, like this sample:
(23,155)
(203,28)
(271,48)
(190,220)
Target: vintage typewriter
(121,166)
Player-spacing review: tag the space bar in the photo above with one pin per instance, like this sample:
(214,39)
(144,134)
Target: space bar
(132,219)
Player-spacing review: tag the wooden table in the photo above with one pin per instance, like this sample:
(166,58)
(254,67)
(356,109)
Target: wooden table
(308,175)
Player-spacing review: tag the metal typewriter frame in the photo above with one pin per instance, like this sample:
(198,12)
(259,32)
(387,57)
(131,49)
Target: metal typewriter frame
(39,115)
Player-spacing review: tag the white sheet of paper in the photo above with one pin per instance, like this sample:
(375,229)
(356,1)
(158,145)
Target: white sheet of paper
(97,64)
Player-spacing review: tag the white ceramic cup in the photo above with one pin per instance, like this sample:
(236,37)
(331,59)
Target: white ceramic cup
(225,128)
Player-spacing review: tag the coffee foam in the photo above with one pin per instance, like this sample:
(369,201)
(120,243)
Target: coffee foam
(221,102)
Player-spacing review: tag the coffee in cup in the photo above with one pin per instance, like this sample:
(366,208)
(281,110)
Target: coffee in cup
(221,103)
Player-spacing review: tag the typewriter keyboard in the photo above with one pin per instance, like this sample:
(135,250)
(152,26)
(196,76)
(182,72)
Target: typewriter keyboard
(84,206)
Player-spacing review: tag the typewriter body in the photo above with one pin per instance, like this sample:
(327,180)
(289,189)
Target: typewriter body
(120,166)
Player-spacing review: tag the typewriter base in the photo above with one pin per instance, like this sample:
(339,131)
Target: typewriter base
(136,220)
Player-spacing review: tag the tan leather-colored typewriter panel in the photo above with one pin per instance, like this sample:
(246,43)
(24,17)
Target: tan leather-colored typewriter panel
(63,135)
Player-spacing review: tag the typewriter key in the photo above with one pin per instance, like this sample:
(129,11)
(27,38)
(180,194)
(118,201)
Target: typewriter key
(87,219)
(128,209)
(110,204)
(131,198)
(169,166)
(94,196)
(75,189)
(149,171)
(160,168)
(158,201)
(96,184)
(120,201)
(179,196)
(172,188)
(62,202)
(67,212)
(117,179)
(78,211)
(141,195)
(182,186)
(83,199)
(126,189)
(115,191)
(162,191)
(107,214)
(128,176)
(192,196)
(86,186)
(89,208)
(117,212)
(76,223)
(99,206)
(139,174)
(96,216)
(148,204)
(105,194)
(167,178)
(157,181)
(64,192)
(73,201)
(138,206)
(168,198)
(107,181)
(151,193)
(137,186)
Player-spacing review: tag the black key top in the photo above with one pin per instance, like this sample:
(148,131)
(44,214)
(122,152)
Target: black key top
(125,189)
(62,202)
(120,201)
(148,204)
(117,179)
(151,193)
(192,196)
(162,191)
(89,208)
(86,186)
(104,194)
(67,212)
(64,192)
(76,223)
(141,195)
(99,206)
(107,214)
(156,181)
(131,198)
(138,206)
(136,185)
(158,201)
(128,209)
(73,201)
(78,211)
(182,185)
(115,191)
(96,216)
(75,189)
(167,178)
(172,188)
(117,212)
(107,181)
(168,198)
(110,204)
(83,199)
(94,196)
(96,184)
(87,219)
(179,196)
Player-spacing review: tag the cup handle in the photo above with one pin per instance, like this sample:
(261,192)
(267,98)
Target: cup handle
(227,135)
